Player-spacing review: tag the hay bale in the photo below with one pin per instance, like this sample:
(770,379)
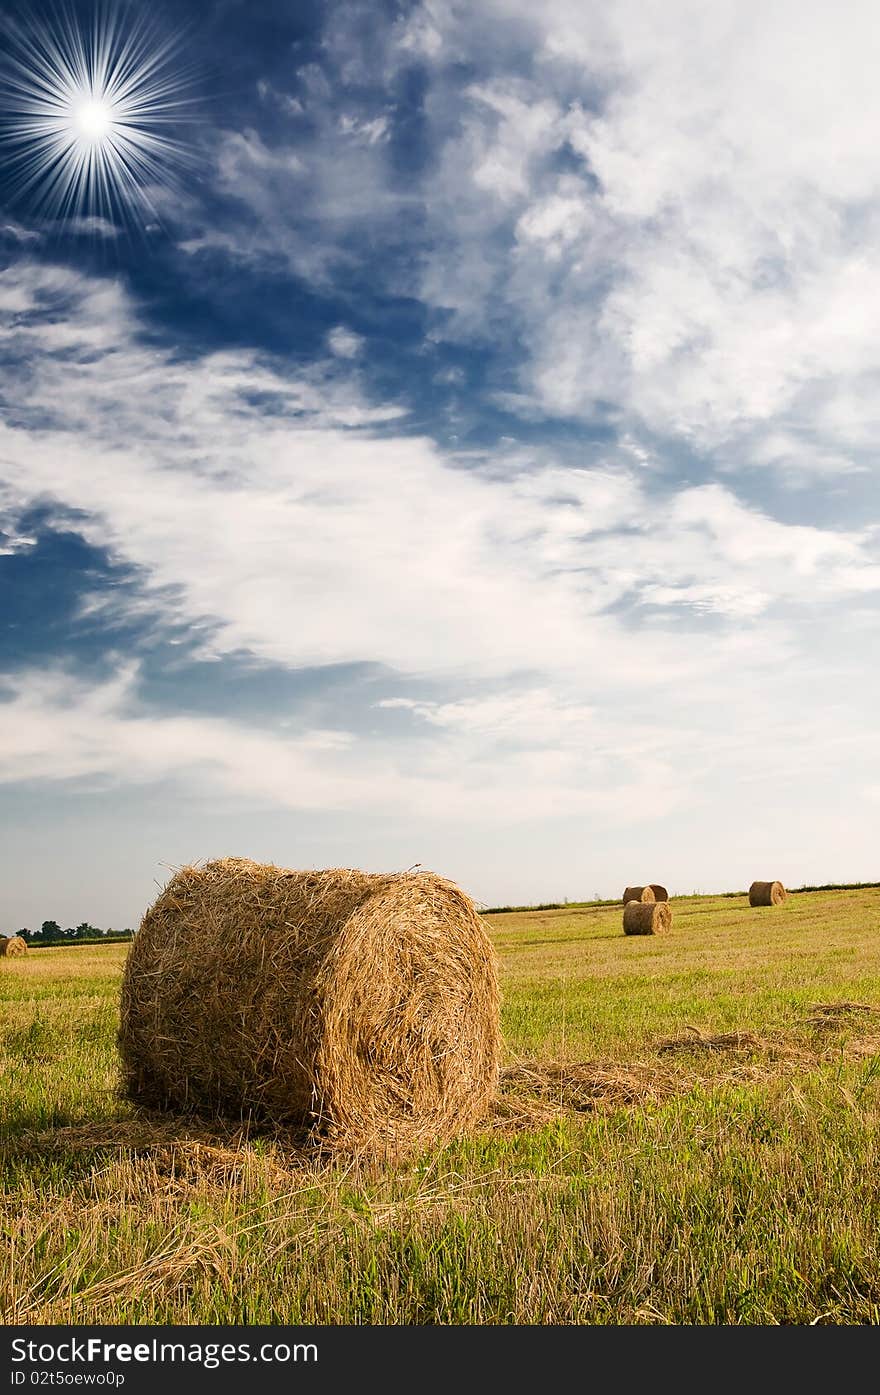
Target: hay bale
(646,917)
(638,893)
(766,894)
(11,945)
(660,892)
(364,1007)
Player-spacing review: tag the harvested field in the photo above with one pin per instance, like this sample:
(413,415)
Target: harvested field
(685,1131)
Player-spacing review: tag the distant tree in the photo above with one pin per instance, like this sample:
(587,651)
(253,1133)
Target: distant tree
(51,930)
(25,933)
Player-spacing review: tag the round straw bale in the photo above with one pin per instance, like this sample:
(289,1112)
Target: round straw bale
(364,1007)
(638,893)
(11,945)
(646,917)
(766,894)
(660,892)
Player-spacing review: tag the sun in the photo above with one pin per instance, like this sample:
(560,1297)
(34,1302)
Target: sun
(91,113)
(92,120)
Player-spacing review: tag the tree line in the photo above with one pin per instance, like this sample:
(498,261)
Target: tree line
(50,932)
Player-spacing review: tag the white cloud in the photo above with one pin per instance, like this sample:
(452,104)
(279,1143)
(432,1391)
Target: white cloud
(301,194)
(245,152)
(244,497)
(538,716)
(671,214)
(291,106)
(93,227)
(19,233)
(497,760)
(12,543)
(708,266)
(558,220)
(344,343)
(267,512)
(57,728)
(367,131)
(417,35)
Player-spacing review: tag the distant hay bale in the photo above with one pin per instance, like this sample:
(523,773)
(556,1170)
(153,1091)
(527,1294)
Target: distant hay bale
(638,893)
(660,892)
(363,1007)
(766,894)
(12,945)
(646,917)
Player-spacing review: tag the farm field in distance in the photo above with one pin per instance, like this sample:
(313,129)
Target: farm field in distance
(687,1132)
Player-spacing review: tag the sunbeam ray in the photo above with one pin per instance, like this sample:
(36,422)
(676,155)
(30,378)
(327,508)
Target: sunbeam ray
(89,114)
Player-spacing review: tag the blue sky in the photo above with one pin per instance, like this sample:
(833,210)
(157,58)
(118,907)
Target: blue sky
(469,461)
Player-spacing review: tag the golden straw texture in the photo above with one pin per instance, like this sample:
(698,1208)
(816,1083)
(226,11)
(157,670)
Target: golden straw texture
(11,945)
(364,1007)
(646,918)
(766,894)
(638,893)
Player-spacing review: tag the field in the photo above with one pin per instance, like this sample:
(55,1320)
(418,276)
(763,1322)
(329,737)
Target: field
(687,1133)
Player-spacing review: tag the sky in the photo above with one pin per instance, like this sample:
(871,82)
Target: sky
(454,446)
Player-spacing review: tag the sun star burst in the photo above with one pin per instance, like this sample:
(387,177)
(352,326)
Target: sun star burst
(89,114)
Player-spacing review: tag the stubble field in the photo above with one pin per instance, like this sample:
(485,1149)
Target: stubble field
(687,1132)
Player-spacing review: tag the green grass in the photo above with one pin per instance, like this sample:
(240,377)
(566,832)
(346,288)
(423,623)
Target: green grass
(746,1190)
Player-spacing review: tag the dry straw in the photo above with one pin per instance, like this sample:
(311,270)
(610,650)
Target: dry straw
(660,892)
(11,945)
(766,894)
(646,917)
(638,893)
(363,1007)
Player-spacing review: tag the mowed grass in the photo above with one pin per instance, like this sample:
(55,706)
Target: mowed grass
(704,1150)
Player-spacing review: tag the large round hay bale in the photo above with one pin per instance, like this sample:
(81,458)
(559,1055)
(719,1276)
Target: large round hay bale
(766,894)
(660,892)
(11,945)
(362,1006)
(646,917)
(638,893)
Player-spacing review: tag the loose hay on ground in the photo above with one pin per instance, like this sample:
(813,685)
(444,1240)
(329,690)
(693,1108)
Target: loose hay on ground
(194,1151)
(363,1008)
(843,1009)
(718,1041)
(583,1084)
(831,1016)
